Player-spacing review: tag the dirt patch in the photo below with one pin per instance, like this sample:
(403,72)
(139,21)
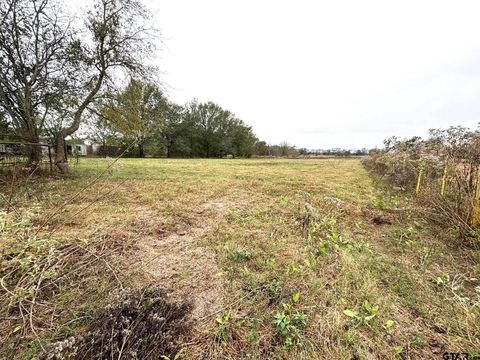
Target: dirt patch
(178,260)
(379,220)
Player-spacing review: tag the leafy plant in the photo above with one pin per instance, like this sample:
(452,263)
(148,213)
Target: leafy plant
(288,323)
(388,325)
(442,280)
(366,316)
(371,310)
(328,237)
(273,290)
(398,350)
(351,313)
(378,202)
(322,247)
(296,297)
(240,255)
(222,332)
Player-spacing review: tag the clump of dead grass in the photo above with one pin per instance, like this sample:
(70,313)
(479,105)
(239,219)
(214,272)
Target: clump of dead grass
(135,325)
(307,218)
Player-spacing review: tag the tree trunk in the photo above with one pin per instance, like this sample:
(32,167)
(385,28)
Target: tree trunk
(60,153)
(141,153)
(34,153)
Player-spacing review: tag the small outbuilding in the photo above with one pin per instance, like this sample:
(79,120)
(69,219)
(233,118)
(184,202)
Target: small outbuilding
(77,149)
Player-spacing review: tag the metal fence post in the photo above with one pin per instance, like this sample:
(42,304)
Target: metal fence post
(444,178)
(476,204)
(50,158)
(419,181)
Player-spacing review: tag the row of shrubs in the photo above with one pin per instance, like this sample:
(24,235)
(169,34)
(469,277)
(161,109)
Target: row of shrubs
(443,171)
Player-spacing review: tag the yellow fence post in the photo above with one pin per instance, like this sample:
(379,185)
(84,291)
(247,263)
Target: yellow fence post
(419,181)
(444,178)
(476,205)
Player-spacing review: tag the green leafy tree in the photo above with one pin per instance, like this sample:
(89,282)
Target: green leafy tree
(209,120)
(243,139)
(261,148)
(137,113)
(216,132)
(172,130)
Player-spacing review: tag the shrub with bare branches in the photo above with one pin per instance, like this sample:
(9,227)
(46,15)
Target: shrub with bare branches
(442,170)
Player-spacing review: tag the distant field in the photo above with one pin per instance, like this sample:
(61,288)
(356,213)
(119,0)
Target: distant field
(281,258)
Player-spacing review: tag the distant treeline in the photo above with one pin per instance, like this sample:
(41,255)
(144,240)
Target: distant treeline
(285,149)
(140,121)
(143,116)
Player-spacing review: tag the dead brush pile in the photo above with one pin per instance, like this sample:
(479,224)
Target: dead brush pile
(135,325)
(443,172)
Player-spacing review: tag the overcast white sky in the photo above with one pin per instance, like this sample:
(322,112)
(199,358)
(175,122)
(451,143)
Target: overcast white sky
(322,74)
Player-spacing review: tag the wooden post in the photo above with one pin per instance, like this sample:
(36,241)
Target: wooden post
(476,204)
(419,181)
(444,178)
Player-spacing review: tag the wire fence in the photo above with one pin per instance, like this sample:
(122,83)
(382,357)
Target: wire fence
(23,155)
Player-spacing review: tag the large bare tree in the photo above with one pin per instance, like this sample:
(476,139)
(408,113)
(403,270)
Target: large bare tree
(51,68)
(117,39)
(34,38)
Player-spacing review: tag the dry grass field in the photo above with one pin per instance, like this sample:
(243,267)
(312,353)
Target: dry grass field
(284,259)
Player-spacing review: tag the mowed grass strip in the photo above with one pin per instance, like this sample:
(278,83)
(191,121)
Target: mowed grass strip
(307,269)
